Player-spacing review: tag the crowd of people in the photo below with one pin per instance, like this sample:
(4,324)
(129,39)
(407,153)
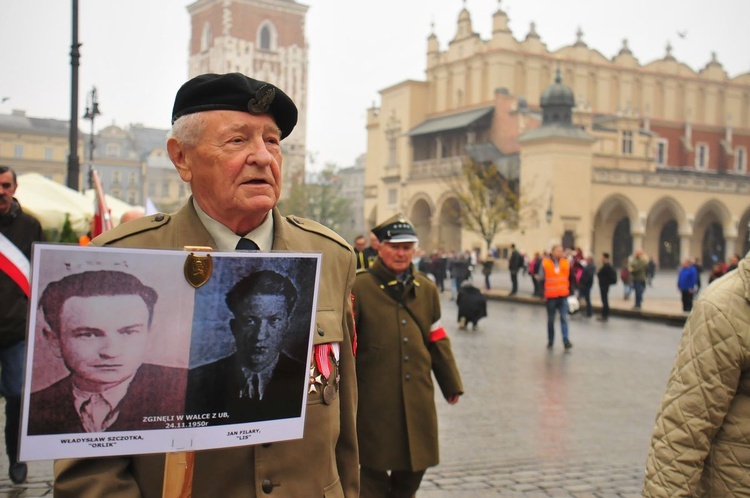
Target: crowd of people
(380,339)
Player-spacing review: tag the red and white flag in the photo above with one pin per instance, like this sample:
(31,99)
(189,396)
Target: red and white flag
(102,216)
(15,264)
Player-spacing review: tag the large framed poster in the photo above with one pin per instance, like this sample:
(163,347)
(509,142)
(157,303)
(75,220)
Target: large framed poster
(135,351)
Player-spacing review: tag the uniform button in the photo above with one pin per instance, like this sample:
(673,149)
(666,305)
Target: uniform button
(267,486)
(320,331)
(159,217)
(403,321)
(406,358)
(406,339)
(408,377)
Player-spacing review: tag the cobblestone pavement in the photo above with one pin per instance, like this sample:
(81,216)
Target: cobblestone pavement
(535,423)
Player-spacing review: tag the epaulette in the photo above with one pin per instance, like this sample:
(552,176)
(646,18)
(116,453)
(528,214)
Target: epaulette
(138,225)
(315,227)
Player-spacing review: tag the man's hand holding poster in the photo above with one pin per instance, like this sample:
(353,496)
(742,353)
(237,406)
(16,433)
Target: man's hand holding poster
(143,351)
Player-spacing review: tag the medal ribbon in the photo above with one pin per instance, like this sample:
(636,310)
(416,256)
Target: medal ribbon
(322,359)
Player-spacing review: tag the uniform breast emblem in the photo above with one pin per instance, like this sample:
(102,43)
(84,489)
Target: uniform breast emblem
(198,269)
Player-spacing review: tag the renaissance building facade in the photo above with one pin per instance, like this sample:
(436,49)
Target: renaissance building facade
(263,39)
(609,155)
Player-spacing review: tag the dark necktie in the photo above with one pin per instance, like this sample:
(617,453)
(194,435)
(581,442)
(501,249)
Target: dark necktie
(246,245)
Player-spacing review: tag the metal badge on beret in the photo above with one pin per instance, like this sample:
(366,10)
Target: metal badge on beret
(198,269)
(262,100)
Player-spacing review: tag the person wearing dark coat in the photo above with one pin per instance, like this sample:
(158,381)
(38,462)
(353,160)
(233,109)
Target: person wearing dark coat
(259,381)
(18,231)
(460,268)
(99,324)
(401,344)
(586,283)
(155,390)
(439,269)
(607,277)
(218,388)
(363,262)
(535,265)
(472,305)
(515,262)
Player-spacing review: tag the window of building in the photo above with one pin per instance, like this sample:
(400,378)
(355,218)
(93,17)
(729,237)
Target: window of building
(206,37)
(112,150)
(740,159)
(132,178)
(116,192)
(392,197)
(132,197)
(701,156)
(267,37)
(661,152)
(116,177)
(627,143)
(18,150)
(49,153)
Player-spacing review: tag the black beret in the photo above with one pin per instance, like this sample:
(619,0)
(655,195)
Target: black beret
(396,229)
(235,92)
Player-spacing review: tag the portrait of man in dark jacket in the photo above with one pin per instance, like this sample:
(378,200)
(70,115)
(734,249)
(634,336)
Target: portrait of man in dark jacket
(99,322)
(260,381)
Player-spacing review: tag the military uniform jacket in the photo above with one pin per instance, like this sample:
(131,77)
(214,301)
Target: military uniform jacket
(400,344)
(324,463)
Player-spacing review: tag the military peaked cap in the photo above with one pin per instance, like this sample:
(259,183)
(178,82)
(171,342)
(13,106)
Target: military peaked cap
(396,229)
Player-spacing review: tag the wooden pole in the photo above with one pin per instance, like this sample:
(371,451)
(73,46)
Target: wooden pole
(178,474)
(179,466)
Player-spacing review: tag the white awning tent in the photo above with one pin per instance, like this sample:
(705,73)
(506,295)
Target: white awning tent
(49,201)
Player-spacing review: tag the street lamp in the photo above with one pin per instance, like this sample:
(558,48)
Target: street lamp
(92,111)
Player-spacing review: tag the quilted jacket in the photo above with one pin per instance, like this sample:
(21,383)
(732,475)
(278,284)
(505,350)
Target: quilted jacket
(701,442)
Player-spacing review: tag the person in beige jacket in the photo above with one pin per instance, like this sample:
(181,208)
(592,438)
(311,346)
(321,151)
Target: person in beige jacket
(701,441)
(226,143)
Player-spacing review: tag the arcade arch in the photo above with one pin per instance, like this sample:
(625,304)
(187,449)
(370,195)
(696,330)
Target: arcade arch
(421,217)
(612,231)
(711,226)
(665,224)
(449,227)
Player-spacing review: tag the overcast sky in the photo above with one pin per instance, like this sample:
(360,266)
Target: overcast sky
(135,51)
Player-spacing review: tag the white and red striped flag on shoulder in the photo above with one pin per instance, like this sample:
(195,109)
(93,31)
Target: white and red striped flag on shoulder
(15,264)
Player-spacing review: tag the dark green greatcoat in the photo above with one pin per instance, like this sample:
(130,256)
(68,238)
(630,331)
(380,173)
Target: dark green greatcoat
(396,356)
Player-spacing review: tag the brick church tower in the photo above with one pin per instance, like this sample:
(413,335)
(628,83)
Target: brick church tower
(264,39)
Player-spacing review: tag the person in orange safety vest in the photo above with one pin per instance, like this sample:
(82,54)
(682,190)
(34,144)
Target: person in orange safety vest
(555,277)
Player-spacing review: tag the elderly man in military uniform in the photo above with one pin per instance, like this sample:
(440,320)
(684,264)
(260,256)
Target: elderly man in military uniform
(400,344)
(226,142)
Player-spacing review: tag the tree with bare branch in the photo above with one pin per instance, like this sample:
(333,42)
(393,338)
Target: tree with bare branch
(487,200)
